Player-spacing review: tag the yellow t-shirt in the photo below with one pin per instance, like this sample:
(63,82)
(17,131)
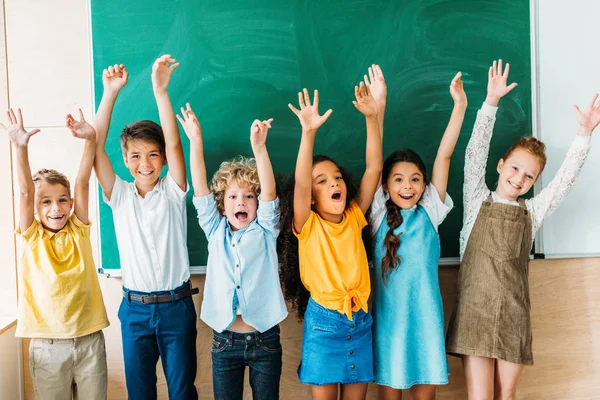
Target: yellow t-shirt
(59,294)
(333,261)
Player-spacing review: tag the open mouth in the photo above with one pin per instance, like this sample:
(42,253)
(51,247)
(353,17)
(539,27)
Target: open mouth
(337,196)
(406,196)
(145,173)
(56,218)
(241,216)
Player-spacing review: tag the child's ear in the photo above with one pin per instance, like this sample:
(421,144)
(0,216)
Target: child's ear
(384,187)
(164,161)
(71,205)
(500,165)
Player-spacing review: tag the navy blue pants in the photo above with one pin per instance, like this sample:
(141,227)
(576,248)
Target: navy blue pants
(232,352)
(165,330)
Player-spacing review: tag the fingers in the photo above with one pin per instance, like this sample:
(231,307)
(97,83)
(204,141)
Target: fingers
(268,122)
(577,110)
(511,86)
(315,98)
(294,109)
(499,71)
(19,117)
(81,115)
(494,69)
(173,67)
(33,132)
(593,102)
(255,127)
(181,121)
(306,97)
(506,70)
(379,72)
(301,100)
(11,116)
(371,74)
(326,116)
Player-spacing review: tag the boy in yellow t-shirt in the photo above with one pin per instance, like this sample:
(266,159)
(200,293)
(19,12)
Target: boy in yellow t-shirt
(60,302)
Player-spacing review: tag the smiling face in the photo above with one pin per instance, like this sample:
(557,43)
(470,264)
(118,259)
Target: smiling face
(144,160)
(405,184)
(328,191)
(518,173)
(52,205)
(239,205)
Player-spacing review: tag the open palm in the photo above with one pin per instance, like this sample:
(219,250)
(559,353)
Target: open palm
(309,113)
(590,118)
(16,133)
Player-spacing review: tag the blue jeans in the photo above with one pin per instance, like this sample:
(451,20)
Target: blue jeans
(167,330)
(232,352)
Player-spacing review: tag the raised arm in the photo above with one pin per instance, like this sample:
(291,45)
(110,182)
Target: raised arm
(544,204)
(311,121)
(258,139)
(113,80)
(441,166)
(161,75)
(192,129)
(82,130)
(365,103)
(378,89)
(20,140)
(479,145)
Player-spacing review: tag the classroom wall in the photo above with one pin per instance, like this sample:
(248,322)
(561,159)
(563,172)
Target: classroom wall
(49,74)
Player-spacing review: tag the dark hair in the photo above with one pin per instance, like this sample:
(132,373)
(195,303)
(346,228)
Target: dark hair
(287,243)
(391,260)
(145,130)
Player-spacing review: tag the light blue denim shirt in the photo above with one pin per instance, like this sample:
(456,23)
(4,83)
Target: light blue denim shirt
(243,262)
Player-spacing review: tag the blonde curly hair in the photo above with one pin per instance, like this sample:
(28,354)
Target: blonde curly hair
(52,177)
(241,170)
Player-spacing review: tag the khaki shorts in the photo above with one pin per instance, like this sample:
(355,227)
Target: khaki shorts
(69,368)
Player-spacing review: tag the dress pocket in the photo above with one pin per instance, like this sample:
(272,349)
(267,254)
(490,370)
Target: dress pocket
(503,238)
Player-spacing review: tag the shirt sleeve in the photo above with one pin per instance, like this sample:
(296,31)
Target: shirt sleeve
(378,209)
(172,188)
(117,194)
(268,215)
(433,205)
(307,228)
(208,214)
(31,232)
(76,224)
(357,215)
(544,204)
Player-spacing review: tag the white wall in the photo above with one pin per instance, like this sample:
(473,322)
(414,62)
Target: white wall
(569,73)
(11,387)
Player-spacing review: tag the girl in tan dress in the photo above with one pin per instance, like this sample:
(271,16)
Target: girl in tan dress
(490,327)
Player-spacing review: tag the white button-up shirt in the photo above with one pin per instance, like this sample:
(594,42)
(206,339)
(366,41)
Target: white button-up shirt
(151,235)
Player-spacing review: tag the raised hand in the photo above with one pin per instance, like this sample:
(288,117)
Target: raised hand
(457,90)
(81,129)
(376,84)
(16,133)
(590,118)
(161,72)
(258,132)
(114,78)
(309,116)
(190,123)
(497,87)
(365,103)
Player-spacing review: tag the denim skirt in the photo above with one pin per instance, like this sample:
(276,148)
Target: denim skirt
(334,349)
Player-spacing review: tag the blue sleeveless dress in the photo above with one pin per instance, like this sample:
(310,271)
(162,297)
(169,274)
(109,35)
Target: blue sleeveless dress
(408,316)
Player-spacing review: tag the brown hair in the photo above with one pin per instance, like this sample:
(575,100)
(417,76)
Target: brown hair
(145,130)
(52,177)
(240,170)
(533,146)
(391,260)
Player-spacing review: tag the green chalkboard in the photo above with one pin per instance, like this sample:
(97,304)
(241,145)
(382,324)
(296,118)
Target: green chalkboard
(247,59)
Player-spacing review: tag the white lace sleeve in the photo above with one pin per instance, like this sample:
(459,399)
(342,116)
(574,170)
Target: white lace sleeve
(544,204)
(378,210)
(475,190)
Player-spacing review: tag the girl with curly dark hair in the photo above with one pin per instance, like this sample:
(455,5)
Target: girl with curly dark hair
(333,263)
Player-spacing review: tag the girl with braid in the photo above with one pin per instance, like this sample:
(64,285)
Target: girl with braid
(408,327)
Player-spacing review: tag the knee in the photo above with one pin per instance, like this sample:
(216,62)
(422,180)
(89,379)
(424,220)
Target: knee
(504,393)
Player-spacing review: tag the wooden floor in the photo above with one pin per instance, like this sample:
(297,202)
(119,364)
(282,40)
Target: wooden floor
(565,298)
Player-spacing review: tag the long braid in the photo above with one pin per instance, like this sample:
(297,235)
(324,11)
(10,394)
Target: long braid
(391,260)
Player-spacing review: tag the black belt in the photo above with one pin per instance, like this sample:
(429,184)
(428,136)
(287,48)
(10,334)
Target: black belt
(161,298)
